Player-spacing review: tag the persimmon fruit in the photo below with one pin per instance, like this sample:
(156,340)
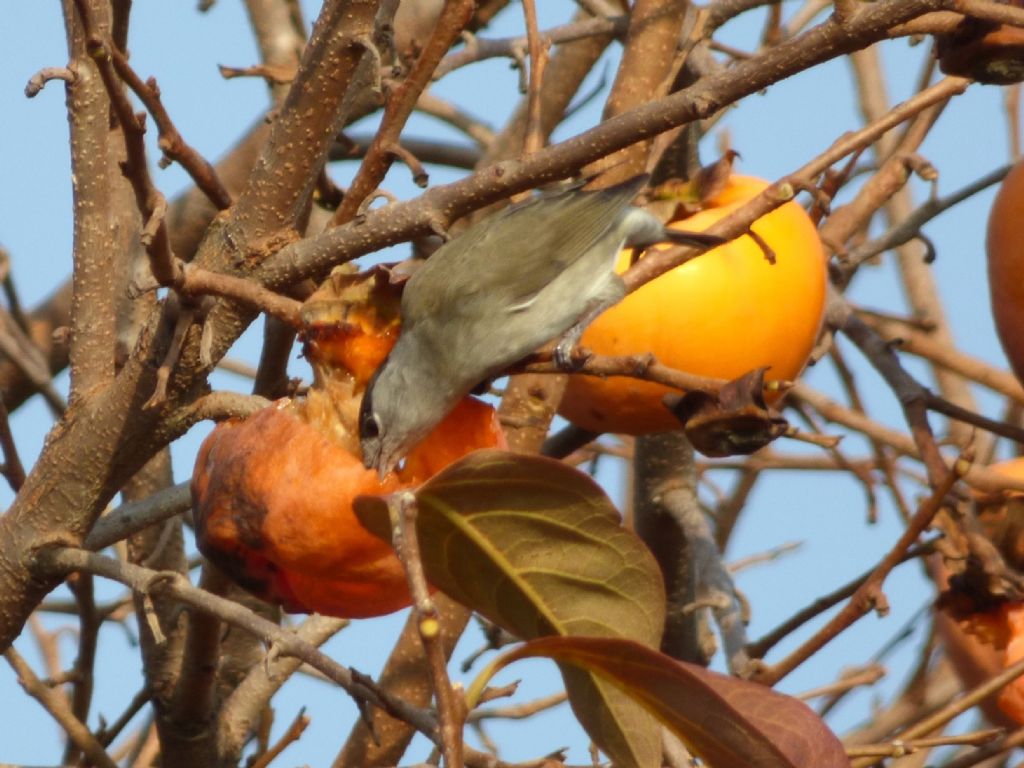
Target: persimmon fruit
(1011,698)
(1005,247)
(720,315)
(273,501)
(273,493)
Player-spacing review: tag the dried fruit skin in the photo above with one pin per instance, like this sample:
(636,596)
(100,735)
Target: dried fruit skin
(721,315)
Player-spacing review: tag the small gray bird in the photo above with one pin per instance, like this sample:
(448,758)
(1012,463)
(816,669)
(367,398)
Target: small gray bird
(496,293)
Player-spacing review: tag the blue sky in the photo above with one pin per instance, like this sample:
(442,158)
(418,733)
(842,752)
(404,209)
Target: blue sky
(776,132)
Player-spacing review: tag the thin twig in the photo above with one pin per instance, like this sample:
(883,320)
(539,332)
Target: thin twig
(768,556)
(483,48)
(869,594)
(401,102)
(293,734)
(135,516)
(355,147)
(851,679)
(910,394)
(982,478)
(450,708)
(89,623)
(58,707)
(518,711)
(1004,745)
(908,338)
(636,366)
(903,747)
(19,348)
(455,116)
(538,60)
(910,227)
(38,81)
(170,140)
(108,733)
(197,281)
(63,560)
(761,646)
(1011,102)
(12,468)
(955,708)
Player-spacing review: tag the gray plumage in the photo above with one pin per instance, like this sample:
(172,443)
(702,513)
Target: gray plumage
(493,295)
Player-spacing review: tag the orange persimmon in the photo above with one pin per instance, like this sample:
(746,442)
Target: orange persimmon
(720,315)
(1011,698)
(1005,247)
(1005,528)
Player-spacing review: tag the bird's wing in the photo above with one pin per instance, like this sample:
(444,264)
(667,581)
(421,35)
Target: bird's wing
(511,256)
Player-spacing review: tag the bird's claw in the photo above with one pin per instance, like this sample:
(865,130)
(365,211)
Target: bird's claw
(569,357)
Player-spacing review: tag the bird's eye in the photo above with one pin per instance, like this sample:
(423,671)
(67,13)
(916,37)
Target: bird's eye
(370,428)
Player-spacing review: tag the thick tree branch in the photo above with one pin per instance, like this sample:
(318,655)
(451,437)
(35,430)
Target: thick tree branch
(96,148)
(92,454)
(443,204)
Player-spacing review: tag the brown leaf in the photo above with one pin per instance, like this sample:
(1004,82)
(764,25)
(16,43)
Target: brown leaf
(735,420)
(536,547)
(725,721)
(984,51)
(712,179)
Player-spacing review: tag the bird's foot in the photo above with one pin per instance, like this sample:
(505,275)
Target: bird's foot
(570,357)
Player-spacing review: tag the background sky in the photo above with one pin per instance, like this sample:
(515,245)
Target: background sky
(776,132)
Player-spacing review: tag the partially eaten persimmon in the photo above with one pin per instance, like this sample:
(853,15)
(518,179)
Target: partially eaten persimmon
(273,493)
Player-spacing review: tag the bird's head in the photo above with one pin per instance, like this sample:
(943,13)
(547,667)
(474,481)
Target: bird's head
(380,425)
(401,404)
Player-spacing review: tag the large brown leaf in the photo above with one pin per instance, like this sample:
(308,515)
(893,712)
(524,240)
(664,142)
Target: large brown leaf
(538,548)
(727,722)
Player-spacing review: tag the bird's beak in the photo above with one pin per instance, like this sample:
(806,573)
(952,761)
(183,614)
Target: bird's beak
(371,454)
(375,458)
(386,465)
